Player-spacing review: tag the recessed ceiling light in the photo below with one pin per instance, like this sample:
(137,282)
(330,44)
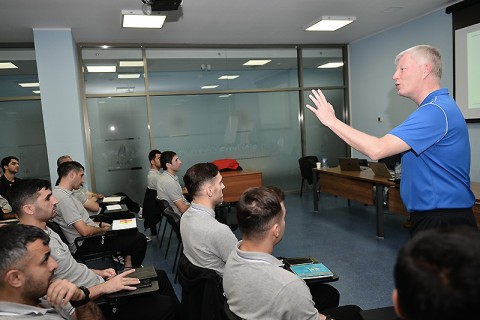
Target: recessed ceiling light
(101,68)
(256,62)
(137,19)
(131,63)
(225,96)
(29,84)
(331,65)
(36,91)
(125,89)
(128,75)
(211,86)
(231,77)
(7,65)
(329,23)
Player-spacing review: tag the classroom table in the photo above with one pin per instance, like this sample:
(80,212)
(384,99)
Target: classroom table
(353,185)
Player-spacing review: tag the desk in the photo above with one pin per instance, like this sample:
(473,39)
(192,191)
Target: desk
(238,181)
(353,185)
(476,207)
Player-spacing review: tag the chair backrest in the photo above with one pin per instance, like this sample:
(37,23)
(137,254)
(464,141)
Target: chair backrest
(151,211)
(58,230)
(307,163)
(202,291)
(229,313)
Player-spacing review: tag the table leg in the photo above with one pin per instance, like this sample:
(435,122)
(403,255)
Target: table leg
(379,208)
(315,189)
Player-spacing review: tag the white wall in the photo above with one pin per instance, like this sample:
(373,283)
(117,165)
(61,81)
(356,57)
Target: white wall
(372,90)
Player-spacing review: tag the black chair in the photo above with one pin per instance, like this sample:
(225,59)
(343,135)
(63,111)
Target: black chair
(87,257)
(229,313)
(173,220)
(151,212)
(307,163)
(202,292)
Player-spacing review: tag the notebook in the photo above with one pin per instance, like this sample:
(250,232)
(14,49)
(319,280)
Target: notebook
(349,164)
(380,169)
(311,270)
(148,284)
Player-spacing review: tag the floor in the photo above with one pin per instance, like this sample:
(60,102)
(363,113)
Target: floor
(341,237)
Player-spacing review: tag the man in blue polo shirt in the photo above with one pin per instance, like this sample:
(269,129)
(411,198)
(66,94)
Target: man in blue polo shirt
(433,140)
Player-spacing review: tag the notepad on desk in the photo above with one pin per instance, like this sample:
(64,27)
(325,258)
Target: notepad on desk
(111,199)
(123,224)
(114,207)
(311,270)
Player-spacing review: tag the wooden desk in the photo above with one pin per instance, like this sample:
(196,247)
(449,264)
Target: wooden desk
(238,181)
(353,185)
(476,207)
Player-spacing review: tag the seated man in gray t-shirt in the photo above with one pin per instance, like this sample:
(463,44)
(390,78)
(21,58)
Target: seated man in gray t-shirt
(256,285)
(168,187)
(207,243)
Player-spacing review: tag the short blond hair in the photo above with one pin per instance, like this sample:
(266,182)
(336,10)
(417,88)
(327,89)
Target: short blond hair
(425,54)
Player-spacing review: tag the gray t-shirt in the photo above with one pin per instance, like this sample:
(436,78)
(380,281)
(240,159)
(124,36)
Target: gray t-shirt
(153,179)
(11,310)
(257,287)
(69,211)
(68,268)
(207,243)
(169,189)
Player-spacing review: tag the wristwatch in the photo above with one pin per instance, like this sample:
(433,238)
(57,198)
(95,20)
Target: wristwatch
(83,301)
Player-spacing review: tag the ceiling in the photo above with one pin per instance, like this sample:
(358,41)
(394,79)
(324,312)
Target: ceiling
(211,21)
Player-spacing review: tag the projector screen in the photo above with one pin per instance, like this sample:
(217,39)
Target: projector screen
(467,71)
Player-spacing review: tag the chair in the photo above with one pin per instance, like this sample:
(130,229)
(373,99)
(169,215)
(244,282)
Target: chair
(85,257)
(229,313)
(202,292)
(307,163)
(174,221)
(151,212)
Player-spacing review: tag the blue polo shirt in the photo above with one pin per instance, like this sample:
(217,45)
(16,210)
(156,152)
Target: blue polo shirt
(435,171)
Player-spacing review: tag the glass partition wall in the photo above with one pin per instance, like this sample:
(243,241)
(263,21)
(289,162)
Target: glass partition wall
(207,104)
(22,133)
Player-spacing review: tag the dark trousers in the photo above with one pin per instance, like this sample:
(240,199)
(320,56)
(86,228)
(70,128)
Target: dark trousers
(128,243)
(324,295)
(434,219)
(163,305)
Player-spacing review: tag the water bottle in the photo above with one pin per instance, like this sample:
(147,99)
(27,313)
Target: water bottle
(324,163)
(398,170)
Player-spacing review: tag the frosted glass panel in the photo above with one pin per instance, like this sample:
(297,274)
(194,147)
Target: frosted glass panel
(260,130)
(22,135)
(120,144)
(220,69)
(322,77)
(321,141)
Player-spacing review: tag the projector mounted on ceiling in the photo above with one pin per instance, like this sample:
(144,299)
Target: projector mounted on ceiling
(163,5)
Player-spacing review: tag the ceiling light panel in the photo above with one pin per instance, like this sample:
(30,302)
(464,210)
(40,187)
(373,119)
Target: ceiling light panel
(29,84)
(329,23)
(210,86)
(101,68)
(331,65)
(137,19)
(128,75)
(131,63)
(7,65)
(256,62)
(230,77)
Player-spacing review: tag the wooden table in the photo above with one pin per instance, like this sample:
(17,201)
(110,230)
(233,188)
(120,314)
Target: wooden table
(476,208)
(238,181)
(353,185)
